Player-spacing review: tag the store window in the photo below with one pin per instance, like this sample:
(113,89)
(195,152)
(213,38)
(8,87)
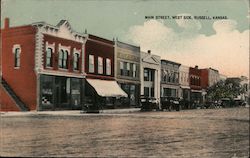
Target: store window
(46,90)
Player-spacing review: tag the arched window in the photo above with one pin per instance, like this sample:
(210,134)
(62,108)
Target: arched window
(63,59)
(17,56)
(76,61)
(49,57)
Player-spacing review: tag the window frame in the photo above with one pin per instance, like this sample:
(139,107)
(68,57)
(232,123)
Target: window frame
(90,64)
(100,65)
(17,55)
(108,66)
(76,62)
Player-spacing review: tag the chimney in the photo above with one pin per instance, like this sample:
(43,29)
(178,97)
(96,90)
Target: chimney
(149,51)
(6,23)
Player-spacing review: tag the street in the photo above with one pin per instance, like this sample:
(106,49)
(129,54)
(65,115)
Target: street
(188,133)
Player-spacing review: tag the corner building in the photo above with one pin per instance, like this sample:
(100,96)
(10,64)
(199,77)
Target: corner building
(42,66)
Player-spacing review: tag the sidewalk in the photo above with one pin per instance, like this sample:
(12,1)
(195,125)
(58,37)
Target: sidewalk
(69,112)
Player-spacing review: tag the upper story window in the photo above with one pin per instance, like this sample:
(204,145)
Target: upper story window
(76,61)
(63,59)
(148,75)
(134,71)
(100,65)
(50,48)
(17,53)
(121,68)
(49,57)
(91,63)
(108,66)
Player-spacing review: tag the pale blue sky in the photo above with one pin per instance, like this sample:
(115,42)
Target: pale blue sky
(110,18)
(222,49)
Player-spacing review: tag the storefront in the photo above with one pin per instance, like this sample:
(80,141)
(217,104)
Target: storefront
(133,92)
(59,92)
(102,94)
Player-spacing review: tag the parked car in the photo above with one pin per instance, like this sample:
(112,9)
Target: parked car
(149,104)
(170,103)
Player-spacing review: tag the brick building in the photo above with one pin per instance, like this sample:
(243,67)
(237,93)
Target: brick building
(195,85)
(102,91)
(42,66)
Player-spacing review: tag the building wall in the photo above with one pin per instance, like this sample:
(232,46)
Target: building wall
(170,77)
(56,41)
(213,77)
(204,78)
(99,47)
(6,102)
(130,54)
(195,78)
(147,61)
(23,79)
(184,75)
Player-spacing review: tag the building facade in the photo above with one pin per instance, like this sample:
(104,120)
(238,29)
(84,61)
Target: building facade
(127,72)
(101,87)
(195,86)
(184,84)
(49,59)
(170,85)
(150,75)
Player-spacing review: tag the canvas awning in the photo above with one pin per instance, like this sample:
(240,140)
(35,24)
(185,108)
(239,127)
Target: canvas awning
(107,88)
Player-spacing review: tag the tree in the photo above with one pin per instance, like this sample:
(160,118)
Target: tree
(230,88)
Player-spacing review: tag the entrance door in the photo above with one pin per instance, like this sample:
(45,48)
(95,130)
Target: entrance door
(62,90)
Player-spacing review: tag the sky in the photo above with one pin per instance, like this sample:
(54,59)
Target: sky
(220,44)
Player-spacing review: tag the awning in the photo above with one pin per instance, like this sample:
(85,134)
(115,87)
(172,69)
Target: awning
(185,87)
(107,88)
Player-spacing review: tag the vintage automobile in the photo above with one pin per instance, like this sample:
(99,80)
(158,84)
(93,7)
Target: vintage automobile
(149,104)
(170,103)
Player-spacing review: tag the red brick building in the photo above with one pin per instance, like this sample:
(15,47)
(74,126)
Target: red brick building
(42,67)
(101,87)
(195,85)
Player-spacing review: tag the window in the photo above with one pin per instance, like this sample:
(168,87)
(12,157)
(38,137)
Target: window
(146,75)
(108,66)
(17,56)
(146,91)
(76,61)
(63,59)
(134,71)
(121,68)
(91,63)
(49,57)
(152,92)
(100,65)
